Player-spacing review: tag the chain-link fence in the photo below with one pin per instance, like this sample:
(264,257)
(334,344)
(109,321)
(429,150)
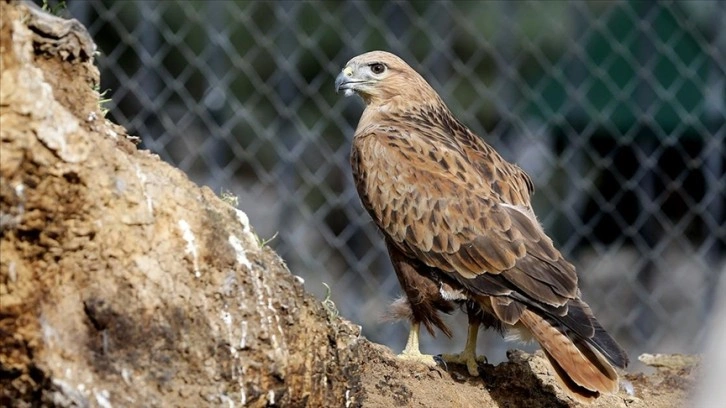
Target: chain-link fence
(616,108)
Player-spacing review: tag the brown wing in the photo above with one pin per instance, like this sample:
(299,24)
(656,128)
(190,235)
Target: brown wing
(437,207)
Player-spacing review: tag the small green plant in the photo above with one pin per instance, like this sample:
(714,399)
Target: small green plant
(328,303)
(228,197)
(102,99)
(263,242)
(55,9)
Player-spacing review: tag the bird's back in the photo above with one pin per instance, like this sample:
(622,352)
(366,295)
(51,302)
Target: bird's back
(431,132)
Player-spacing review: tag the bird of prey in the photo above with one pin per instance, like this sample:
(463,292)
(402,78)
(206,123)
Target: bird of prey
(459,228)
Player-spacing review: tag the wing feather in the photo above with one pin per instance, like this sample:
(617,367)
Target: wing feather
(450,217)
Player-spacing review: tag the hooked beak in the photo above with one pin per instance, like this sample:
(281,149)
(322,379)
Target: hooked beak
(344,81)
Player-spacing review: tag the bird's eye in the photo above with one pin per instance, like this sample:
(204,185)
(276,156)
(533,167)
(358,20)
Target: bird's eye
(377,68)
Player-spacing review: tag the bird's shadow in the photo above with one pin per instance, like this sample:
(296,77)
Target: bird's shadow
(509,384)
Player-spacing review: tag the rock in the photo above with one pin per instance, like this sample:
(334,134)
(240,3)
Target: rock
(123,283)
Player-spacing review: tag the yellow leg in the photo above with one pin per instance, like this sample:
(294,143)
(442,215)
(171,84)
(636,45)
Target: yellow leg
(412,352)
(468,356)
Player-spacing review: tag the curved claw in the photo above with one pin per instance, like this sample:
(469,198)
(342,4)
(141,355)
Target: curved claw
(440,361)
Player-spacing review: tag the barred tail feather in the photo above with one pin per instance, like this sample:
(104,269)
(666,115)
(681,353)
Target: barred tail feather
(582,370)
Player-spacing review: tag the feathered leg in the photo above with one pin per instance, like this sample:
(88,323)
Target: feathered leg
(421,304)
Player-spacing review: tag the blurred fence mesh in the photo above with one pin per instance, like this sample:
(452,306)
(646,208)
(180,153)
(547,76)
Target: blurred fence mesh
(616,108)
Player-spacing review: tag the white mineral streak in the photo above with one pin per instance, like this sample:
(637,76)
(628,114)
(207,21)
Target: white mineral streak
(191,248)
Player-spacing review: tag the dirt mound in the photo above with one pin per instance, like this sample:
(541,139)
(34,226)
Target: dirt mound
(526,380)
(123,283)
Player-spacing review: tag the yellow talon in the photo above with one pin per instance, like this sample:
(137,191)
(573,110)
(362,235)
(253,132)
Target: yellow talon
(412,352)
(468,356)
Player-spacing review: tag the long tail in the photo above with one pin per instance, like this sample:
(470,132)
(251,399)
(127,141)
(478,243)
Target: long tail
(581,368)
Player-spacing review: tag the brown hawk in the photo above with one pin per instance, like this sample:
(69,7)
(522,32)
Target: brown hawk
(459,227)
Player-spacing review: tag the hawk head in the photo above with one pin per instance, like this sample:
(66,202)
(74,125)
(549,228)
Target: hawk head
(380,77)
